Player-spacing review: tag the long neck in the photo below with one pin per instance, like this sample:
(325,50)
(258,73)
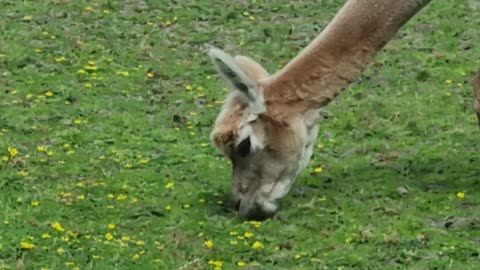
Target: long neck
(338,55)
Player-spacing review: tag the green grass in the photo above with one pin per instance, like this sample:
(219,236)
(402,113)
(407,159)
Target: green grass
(106,145)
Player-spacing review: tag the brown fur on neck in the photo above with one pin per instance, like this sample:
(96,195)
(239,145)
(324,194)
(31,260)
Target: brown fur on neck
(338,55)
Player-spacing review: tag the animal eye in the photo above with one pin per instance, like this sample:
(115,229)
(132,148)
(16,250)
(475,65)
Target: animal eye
(243,148)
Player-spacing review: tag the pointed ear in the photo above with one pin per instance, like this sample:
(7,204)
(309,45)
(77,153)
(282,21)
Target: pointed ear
(236,76)
(251,67)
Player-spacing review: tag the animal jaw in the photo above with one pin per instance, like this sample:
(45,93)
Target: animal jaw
(269,123)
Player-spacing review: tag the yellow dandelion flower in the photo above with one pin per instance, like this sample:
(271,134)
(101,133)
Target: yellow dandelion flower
(14,92)
(35,203)
(60,59)
(108,236)
(90,68)
(150,75)
(29,96)
(65,239)
(80,184)
(5,158)
(123,73)
(318,169)
(110,196)
(60,251)
(248,234)
(258,245)
(208,243)
(41,148)
(88,85)
(448,81)
(57,226)
(135,256)
(168,207)
(50,153)
(122,197)
(46,236)
(49,93)
(81,197)
(241,264)
(81,71)
(12,151)
(27,245)
(65,195)
(461,195)
(38,50)
(126,238)
(77,121)
(169,185)
(189,87)
(140,243)
(233,233)
(112,226)
(216,264)
(144,161)
(128,165)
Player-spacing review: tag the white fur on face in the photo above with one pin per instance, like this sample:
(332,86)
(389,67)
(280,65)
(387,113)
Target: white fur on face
(275,191)
(257,141)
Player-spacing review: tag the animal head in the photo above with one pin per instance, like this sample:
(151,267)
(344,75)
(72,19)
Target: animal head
(268,144)
(269,123)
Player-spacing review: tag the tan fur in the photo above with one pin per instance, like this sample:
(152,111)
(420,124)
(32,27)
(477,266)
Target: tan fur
(284,134)
(253,69)
(338,55)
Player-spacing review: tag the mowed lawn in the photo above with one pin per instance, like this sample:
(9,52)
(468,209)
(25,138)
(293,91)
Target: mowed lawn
(106,163)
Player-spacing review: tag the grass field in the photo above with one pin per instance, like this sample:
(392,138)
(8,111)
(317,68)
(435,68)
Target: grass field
(106,109)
